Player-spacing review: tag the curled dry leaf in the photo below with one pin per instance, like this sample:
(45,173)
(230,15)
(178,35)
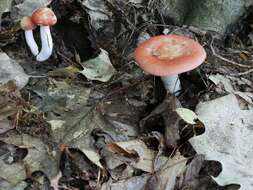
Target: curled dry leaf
(99,68)
(141,155)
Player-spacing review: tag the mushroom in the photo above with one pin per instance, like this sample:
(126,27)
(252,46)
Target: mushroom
(44,17)
(169,55)
(27,25)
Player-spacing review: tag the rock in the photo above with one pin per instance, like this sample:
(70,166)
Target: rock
(26,7)
(4,6)
(175,9)
(215,15)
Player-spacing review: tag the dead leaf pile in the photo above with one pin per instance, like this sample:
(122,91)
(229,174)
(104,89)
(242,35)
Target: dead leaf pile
(96,121)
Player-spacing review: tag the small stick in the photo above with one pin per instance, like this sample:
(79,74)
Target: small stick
(225,59)
(242,73)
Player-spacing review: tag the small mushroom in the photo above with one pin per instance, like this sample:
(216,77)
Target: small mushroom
(44,17)
(169,55)
(27,25)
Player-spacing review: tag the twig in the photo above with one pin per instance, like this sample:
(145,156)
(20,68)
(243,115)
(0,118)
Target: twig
(225,59)
(242,73)
(99,177)
(67,59)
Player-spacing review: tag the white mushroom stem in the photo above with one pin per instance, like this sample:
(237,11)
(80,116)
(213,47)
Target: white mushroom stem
(172,84)
(31,42)
(46,43)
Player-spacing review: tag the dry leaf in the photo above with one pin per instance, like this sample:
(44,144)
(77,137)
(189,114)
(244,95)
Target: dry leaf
(187,115)
(133,148)
(228,139)
(99,68)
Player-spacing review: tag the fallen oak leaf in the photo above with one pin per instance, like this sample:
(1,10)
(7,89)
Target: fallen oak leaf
(227,139)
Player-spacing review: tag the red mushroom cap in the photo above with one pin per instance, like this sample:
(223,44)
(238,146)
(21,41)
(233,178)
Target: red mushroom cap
(44,17)
(166,55)
(27,24)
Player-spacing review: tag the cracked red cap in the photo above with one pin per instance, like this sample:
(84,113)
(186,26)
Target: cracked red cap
(169,55)
(44,17)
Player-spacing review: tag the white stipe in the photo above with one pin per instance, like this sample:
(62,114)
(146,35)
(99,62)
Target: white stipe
(31,42)
(46,43)
(172,84)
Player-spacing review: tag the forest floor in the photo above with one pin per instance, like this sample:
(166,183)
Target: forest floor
(90,118)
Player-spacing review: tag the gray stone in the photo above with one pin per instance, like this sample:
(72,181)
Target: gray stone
(11,70)
(215,15)
(175,9)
